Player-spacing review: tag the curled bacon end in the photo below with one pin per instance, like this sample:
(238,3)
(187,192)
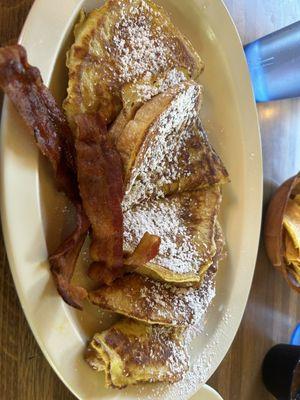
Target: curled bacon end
(102,275)
(72,295)
(146,250)
(100,178)
(63,262)
(34,102)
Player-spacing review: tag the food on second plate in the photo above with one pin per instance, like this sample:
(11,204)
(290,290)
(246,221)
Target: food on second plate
(131,352)
(291,219)
(143,178)
(117,43)
(291,223)
(282,231)
(185,223)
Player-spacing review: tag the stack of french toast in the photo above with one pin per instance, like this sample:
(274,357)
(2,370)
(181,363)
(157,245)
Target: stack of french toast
(131,155)
(130,64)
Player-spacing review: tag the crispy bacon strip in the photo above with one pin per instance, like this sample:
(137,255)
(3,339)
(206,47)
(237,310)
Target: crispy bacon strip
(99,273)
(146,250)
(100,177)
(99,174)
(63,262)
(36,105)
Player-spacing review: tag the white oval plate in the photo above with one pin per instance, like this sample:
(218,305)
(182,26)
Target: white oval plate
(32,216)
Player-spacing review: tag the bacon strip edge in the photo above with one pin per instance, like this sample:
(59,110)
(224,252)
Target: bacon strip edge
(34,102)
(100,178)
(63,262)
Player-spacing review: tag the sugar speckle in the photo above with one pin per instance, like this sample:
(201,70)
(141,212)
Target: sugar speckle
(169,137)
(199,365)
(141,45)
(183,247)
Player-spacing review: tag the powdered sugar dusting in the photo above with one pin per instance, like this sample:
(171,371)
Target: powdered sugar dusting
(184,246)
(162,343)
(140,44)
(199,300)
(205,295)
(176,305)
(156,219)
(146,89)
(162,146)
(176,361)
(199,367)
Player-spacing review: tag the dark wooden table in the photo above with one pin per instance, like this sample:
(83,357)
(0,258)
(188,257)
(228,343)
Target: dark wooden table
(272,311)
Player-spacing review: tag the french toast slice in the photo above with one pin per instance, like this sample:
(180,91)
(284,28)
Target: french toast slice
(185,222)
(135,94)
(165,149)
(147,300)
(131,352)
(155,302)
(119,43)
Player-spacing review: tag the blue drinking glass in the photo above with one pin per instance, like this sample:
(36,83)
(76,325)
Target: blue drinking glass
(274,64)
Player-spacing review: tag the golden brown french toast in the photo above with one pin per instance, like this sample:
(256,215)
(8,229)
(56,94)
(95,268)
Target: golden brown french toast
(185,222)
(135,94)
(165,149)
(119,43)
(131,352)
(147,300)
(154,302)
